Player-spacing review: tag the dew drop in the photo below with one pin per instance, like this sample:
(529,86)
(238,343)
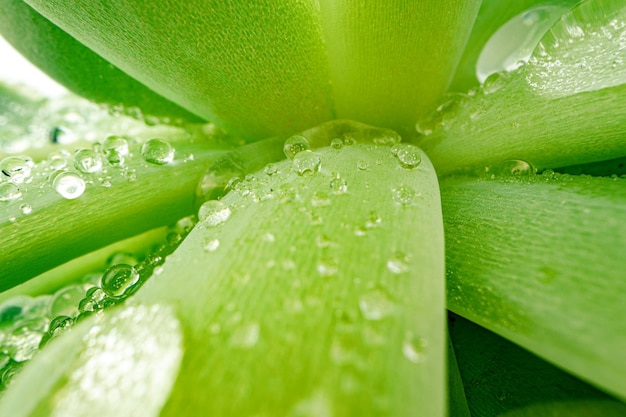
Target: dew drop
(157,151)
(362,164)
(512,45)
(373,220)
(327,267)
(9,191)
(511,167)
(376,304)
(60,325)
(58,160)
(408,155)
(398,263)
(338,186)
(404,195)
(118,280)
(117,144)
(294,145)
(413,348)
(87,161)
(245,336)
(213,213)
(336,143)
(212,245)
(270,169)
(65,301)
(17,169)
(320,199)
(68,185)
(306,163)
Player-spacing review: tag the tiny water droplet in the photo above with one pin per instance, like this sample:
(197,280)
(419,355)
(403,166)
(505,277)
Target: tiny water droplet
(68,185)
(59,325)
(26,209)
(327,267)
(9,191)
(511,167)
(118,279)
(306,163)
(336,143)
(408,155)
(320,199)
(212,245)
(413,348)
(157,151)
(17,169)
(245,336)
(338,186)
(376,304)
(362,164)
(87,161)
(404,195)
(213,213)
(398,263)
(270,169)
(269,238)
(294,145)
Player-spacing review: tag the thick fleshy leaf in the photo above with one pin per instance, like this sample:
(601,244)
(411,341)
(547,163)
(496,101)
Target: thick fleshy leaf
(391,52)
(539,260)
(257,69)
(77,67)
(500,376)
(315,294)
(561,109)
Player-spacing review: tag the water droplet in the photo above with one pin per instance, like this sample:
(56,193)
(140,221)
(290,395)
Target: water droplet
(68,185)
(511,167)
(121,258)
(270,169)
(24,340)
(307,163)
(213,213)
(327,267)
(404,195)
(118,279)
(349,141)
(16,169)
(398,263)
(386,140)
(58,160)
(65,301)
(362,164)
(157,151)
(116,144)
(413,348)
(245,336)
(373,220)
(317,405)
(60,325)
(336,143)
(212,245)
(338,186)
(9,191)
(294,145)
(514,42)
(495,82)
(376,304)
(408,155)
(87,161)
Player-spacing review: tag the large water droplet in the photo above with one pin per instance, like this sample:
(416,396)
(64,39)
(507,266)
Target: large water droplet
(157,151)
(9,191)
(58,160)
(117,145)
(118,280)
(376,304)
(65,301)
(213,213)
(307,163)
(87,161)
(294,145)
(17,169)
(68,185)
(511,45)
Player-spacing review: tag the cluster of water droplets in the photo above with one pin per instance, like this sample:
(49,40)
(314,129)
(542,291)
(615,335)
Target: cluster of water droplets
(27,323)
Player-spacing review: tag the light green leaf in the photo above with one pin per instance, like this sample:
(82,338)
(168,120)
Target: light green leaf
(319,294)
(77,67)
(539,260)
(391,52)
(519,115)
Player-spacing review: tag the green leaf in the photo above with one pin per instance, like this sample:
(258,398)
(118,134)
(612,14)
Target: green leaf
(539,260)
(257,69)
(314,296)
(500,376)
(400,53)
(78,68)
(558,110)
(573,408)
